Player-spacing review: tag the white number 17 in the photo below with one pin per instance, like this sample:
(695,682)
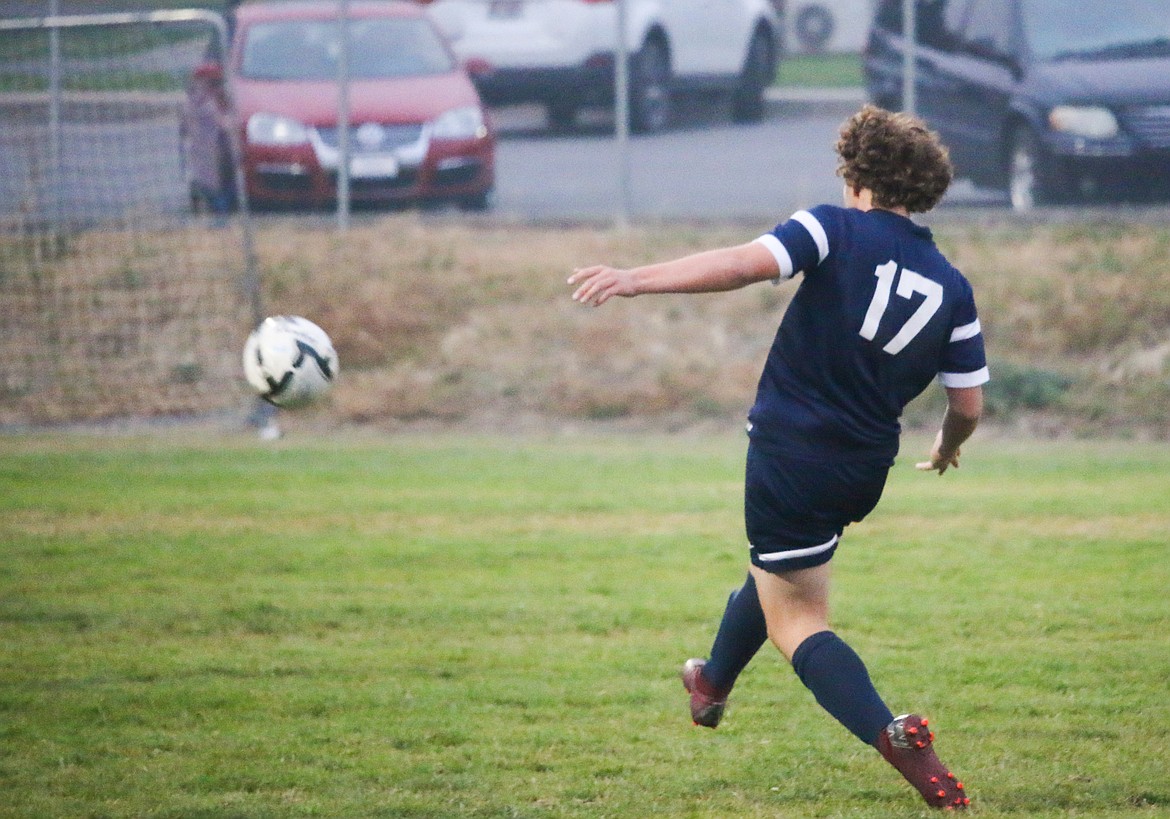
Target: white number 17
(909,283)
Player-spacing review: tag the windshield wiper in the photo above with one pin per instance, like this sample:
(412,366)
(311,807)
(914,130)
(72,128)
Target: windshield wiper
(1154,47)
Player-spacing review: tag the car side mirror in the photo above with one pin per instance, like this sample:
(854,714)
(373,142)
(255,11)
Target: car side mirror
(209,72)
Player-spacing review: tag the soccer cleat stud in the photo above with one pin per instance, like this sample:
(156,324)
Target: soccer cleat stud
(910,751)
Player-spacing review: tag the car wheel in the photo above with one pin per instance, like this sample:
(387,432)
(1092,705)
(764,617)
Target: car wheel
(477,203)
(747,105)
(562,115)
(650,88)
(814,27)
(1031,179)
(197,201)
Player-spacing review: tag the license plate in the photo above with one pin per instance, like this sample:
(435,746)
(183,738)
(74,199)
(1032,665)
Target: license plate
(373,167)
(505,9)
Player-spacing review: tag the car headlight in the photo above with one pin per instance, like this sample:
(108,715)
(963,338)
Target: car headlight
(1091,122)
(271,129)
(459,123)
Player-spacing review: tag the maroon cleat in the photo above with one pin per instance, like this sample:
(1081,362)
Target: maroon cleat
(707,703)
(907,744)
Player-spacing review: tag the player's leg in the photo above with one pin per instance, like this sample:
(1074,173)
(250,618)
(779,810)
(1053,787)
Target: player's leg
(777,501)
(741,633)
(796,607)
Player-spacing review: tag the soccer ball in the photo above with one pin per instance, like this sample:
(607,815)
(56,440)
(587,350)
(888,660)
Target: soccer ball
(289,361)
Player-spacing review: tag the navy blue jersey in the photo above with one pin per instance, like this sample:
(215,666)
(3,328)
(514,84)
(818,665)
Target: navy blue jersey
(879,314)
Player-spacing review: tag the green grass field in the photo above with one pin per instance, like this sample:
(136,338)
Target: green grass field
(820,70)
(355,625)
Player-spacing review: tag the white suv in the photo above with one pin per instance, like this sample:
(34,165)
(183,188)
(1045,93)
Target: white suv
(561,52)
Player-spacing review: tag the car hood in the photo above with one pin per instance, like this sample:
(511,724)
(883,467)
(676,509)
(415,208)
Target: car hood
(413,99)
(1104,82)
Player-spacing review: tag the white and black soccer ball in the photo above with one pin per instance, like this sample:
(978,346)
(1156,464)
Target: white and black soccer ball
(290,361)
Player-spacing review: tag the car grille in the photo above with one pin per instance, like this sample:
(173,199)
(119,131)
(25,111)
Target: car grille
(1149,124)
(363,138)
(408,177)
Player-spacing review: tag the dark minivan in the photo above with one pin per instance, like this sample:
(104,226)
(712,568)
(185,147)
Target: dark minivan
(1051,100)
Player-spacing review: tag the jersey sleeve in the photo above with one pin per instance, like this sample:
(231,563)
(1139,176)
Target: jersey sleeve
(801,243)
(964,361)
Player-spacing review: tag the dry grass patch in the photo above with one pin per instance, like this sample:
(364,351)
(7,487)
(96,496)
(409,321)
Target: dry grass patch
(1073,290)
(114,322)
(448,321)
(469,324)
(1079,316)
(457,322)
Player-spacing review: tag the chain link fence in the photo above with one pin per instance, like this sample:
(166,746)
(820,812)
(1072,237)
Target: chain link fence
(116,299)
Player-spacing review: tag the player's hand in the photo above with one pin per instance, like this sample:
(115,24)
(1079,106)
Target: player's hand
(938,462)
(596,284)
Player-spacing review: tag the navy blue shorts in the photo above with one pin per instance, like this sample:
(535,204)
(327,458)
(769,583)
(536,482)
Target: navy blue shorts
(795,509)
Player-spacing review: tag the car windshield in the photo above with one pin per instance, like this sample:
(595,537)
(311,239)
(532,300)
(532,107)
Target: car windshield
(310,50)
(1092,29)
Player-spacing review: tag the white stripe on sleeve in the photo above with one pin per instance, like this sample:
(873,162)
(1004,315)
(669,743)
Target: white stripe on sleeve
(973,379)
(816,230)
(966,331)
(783,260)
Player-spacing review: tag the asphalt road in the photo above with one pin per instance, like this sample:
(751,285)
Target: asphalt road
(703,168)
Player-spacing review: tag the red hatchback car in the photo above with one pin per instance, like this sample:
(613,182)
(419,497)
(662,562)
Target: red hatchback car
(417,129)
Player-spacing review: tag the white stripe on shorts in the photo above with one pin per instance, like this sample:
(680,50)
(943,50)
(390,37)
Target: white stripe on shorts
(790,554)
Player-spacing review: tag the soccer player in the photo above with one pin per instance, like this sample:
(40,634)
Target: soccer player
(879,314)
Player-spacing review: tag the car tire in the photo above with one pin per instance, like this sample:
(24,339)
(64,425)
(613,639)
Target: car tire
(562,115)
(747,103)
(650,104)
(1031,179)
(814,28)
(478,203)
(196,201)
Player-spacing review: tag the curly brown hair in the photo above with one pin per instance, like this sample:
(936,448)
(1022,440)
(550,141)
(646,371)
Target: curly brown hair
(896,157)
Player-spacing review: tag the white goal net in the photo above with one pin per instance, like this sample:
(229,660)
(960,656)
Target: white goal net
(115,299)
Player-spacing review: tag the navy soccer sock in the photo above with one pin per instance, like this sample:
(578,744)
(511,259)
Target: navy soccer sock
(741,633)
(838,679)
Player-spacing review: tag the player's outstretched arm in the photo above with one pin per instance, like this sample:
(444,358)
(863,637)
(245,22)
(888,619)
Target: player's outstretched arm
(964,407)
(711,271)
